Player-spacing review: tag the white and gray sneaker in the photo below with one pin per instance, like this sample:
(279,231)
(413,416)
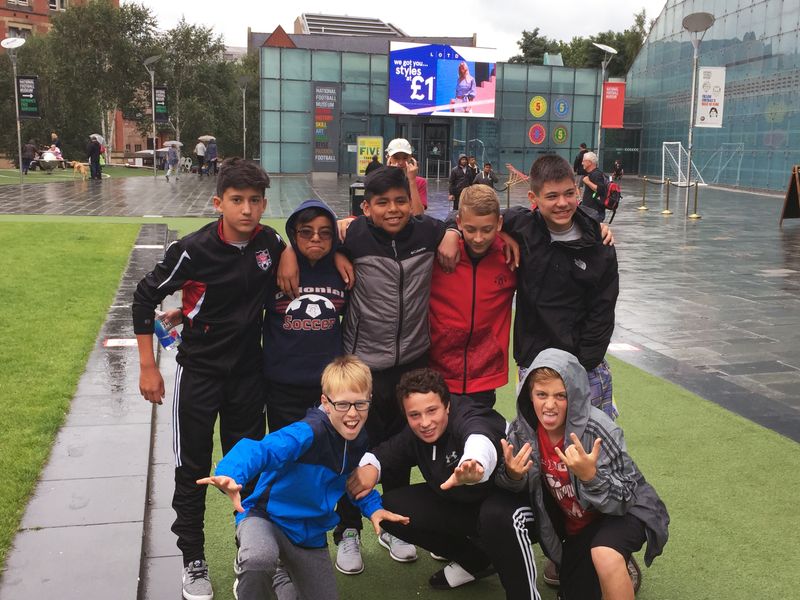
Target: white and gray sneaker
(348,553)
(196,584)
(398,549)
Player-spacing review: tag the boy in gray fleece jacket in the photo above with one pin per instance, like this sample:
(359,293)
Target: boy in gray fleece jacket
(592,506)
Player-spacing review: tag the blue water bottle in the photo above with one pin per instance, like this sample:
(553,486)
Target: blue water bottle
(167,335)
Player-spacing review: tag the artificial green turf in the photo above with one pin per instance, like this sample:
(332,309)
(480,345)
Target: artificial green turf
(729,484)
(57,283)
(11,176)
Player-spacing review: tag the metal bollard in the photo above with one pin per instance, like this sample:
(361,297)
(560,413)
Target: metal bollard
(644,193)
(666,210)
(694,215)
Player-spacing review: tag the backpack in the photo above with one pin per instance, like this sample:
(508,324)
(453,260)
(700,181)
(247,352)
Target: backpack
(613,196)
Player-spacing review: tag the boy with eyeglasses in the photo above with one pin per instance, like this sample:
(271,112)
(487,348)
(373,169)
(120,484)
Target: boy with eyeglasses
(303,334)
(302,471)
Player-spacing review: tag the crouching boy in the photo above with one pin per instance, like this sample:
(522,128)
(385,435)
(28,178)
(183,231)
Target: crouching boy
(592,505)
(302,470)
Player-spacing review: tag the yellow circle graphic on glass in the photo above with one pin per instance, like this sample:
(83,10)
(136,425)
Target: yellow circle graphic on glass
(538,106)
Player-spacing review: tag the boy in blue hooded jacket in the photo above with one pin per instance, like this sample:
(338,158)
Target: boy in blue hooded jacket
(302,471)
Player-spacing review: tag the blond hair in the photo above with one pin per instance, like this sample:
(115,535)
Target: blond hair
(346,374)
(544,374)
(480,200)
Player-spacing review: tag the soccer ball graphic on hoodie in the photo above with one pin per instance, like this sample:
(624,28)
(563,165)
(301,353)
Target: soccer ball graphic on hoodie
(310,305)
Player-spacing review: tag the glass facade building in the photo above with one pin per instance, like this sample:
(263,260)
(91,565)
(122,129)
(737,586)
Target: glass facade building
(540,109)
(759,44)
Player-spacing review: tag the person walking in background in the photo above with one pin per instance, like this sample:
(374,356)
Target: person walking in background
(200,153)
(486,177)
(617,171)
(373,164)
(577,166)
(93,153)
(459,180)
(28,154)
(173,158)
(211,156)
(595,186)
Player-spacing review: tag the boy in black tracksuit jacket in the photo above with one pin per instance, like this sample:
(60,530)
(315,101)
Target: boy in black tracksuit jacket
(303,335)
(224,271)
(456,447)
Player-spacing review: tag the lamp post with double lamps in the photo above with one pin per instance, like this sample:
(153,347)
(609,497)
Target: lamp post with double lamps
(696,24)
(608,54)
(148,64)
(11,44)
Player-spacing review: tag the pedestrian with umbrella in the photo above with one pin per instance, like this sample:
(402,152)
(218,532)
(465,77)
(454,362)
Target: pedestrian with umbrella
(200,152)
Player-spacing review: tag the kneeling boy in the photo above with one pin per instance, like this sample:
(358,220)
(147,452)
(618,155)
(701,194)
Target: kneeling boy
(592,505)
(302,470)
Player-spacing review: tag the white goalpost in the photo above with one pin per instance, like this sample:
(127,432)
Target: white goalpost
(675,164)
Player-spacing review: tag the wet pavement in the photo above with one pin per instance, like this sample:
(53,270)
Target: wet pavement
(712,305)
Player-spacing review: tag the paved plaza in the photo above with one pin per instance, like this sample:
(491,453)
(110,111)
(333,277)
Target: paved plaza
(712,305)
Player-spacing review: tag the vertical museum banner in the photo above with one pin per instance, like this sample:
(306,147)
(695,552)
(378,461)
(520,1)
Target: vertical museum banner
(28,94)
(326,126)
(710,96)
(613,104)
(160,107)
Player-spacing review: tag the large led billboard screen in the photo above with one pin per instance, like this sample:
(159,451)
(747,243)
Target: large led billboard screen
(436,79)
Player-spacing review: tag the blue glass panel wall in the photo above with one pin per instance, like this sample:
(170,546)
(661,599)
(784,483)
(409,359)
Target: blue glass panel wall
(758,41)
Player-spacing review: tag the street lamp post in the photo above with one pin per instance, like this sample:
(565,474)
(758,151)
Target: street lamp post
(608,54)
(11,44)
(148,62)
(243,79)
(696,24)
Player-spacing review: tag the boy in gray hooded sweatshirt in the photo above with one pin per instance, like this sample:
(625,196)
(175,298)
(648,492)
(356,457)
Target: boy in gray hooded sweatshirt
(592,506)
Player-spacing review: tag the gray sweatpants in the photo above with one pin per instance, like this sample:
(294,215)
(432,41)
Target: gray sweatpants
(261,545)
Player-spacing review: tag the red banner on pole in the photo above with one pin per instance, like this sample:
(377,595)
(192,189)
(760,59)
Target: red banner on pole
(613,104)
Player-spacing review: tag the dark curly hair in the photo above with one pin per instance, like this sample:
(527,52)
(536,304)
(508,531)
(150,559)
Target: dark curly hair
(422,381)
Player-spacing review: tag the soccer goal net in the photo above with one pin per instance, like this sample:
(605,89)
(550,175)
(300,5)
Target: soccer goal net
(675,164)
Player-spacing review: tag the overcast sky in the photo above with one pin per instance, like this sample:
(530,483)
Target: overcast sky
(498,23)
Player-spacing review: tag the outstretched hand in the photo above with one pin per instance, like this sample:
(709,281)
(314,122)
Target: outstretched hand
(468,472)
(384,515)
(583,465)
(227,485)
(362,481)
(517,464)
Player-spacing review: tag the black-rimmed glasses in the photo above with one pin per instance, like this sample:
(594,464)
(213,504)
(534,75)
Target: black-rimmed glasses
(344,406)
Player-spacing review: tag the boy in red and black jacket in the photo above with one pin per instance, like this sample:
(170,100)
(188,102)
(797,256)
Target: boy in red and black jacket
(470,308)
(224,271)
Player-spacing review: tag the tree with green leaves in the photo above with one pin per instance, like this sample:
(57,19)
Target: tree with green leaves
(533,47)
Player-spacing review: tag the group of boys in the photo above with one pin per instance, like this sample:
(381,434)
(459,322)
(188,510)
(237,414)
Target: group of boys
(373,358)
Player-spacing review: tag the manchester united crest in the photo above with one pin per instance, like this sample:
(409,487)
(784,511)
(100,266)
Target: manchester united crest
(263,259)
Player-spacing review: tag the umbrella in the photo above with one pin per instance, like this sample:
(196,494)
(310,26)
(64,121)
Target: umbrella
(100,139)
(207,138)
(173,143)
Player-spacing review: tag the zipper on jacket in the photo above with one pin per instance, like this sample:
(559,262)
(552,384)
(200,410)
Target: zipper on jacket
(400,285)
(344,458)
(471,322)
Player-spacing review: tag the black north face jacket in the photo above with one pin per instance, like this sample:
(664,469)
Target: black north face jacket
(566,291)
(224,289)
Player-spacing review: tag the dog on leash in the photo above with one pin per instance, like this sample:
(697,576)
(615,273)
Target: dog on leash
(81,168)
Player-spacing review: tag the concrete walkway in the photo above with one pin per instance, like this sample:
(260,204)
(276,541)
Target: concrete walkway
(712,305)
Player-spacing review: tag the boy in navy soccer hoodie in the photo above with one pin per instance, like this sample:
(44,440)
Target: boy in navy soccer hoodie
(302,335)
(302,471)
